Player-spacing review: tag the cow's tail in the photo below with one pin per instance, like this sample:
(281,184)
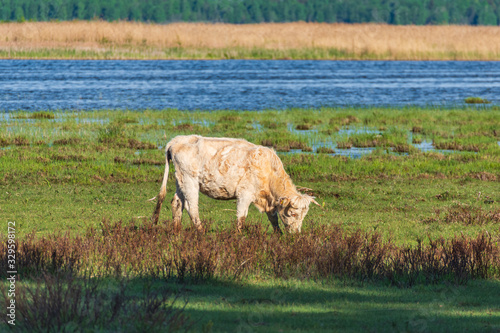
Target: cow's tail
(163,188)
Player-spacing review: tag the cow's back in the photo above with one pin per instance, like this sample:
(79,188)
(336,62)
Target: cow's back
(196,148)
(219,165)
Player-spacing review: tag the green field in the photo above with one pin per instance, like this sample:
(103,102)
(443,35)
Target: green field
(77,184)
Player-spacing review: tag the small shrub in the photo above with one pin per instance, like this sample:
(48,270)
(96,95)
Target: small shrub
(344,145)
(457,146)
(160,252)
(146,161)
(267,143)
(469,215)
(485,176)
(70,157)
(303,127)
(325,150)
(68,141)
(135,144)
(186,127)
(297,145)
(119,159)
(369,140)
(476,100)
(63,302)
(404,148)
(344,121)
(282,148)
(42,159)
(21,141)
(444,196)
(41,115)
(272,124)
(230,118)
(416,140)
(127,119)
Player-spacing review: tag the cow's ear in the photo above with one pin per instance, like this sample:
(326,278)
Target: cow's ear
(284,201)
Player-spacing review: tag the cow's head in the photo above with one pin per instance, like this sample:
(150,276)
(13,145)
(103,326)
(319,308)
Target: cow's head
(292,211)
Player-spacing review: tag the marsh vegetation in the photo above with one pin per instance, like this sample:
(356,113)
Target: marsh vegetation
(399,225)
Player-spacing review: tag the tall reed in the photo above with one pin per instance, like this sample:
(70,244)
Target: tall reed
(298,40)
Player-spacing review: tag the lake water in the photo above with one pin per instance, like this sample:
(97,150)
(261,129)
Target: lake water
(241,84)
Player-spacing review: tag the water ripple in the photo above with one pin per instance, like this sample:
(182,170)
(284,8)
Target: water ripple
(241,84)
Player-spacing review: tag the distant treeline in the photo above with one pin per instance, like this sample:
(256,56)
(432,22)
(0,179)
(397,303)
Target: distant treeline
(473,12)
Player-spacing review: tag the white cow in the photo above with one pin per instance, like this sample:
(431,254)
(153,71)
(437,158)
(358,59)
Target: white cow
(224,168)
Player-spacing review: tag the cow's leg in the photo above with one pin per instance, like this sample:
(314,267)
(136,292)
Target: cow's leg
(191,194)
(177,207)
(242,204)
(273,217)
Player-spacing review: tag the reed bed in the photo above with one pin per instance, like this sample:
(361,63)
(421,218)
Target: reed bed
(297,40)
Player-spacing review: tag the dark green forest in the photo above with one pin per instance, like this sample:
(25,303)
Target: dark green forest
(471,12)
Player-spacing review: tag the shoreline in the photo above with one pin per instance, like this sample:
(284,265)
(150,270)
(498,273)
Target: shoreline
(55,55)
(250,59)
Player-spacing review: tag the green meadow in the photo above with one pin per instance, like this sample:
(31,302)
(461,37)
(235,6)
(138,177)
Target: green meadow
(393,181)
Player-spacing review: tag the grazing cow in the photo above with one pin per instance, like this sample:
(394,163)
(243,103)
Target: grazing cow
(224,168)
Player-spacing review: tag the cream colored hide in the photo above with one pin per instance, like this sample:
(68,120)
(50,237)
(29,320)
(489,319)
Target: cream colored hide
(224,168)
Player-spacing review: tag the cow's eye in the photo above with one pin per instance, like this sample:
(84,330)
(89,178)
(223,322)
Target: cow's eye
(294,215)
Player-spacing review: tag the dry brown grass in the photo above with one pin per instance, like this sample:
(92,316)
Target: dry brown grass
(141,40)
(158,251)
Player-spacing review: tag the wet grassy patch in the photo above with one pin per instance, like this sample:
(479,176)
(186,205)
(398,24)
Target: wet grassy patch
(399,228)
(453,143)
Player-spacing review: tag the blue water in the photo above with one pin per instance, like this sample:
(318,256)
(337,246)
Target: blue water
(241,84)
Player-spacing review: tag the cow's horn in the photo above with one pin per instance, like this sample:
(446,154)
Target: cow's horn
(314,202)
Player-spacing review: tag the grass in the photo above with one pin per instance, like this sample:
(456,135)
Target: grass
(62,302)
(72,158)
(328,305)
(298,40)
(77,186)
(345,306)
